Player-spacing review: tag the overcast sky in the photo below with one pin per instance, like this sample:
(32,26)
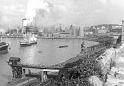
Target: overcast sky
(79,12)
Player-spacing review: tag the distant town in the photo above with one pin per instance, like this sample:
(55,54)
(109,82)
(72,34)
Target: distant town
(62,31)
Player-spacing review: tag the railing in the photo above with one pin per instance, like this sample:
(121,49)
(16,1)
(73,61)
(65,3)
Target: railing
(34,66)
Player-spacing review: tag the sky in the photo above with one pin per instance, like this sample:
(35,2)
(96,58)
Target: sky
(48,12)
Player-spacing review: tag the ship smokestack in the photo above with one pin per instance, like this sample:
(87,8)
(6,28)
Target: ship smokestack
(24,22)
(24,25)
(122,38)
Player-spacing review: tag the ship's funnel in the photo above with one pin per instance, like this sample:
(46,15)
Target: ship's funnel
(24,25)
(122,38)
(24,22)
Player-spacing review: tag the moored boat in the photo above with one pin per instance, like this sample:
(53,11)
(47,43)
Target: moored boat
(3,47)
(63,46)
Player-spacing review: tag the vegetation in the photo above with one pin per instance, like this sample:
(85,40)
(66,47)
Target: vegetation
(80,71)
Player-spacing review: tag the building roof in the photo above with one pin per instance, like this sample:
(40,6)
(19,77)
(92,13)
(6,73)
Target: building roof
(14,58)
(90,43)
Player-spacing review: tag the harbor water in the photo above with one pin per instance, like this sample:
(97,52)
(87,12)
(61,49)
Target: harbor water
(45,52)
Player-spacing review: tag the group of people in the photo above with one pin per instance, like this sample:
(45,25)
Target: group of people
(83,68)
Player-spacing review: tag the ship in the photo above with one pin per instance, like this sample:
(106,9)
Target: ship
(29,39)
(63,46)
(3,47)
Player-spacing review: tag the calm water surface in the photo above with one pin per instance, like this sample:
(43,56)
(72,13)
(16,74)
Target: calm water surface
(45,52)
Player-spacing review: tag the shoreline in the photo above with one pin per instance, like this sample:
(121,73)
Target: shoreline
(46,37)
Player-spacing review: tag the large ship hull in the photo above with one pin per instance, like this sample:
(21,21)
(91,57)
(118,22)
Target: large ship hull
(4,48)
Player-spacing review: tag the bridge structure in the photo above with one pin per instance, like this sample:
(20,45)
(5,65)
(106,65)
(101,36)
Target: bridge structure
(18,69)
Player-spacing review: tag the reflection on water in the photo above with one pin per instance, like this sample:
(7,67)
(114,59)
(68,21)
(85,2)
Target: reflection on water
(45,52)
(31,52)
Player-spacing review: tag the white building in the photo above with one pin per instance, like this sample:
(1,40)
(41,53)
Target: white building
(81,31)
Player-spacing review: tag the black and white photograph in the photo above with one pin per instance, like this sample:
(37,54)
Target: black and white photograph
(61,42)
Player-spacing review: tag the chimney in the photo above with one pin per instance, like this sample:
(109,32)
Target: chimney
(24,25)
(122,38)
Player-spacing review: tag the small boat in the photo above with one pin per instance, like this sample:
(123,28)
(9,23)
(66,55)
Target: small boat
(63,46)
(3,47)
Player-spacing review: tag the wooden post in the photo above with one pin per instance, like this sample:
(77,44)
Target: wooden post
(23,72)
(41,77)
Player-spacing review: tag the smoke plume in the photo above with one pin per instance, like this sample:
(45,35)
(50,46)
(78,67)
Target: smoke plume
(33,7)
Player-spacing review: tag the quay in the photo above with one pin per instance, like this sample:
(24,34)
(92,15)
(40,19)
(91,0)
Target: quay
(41,37)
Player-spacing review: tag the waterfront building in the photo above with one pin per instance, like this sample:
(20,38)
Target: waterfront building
(116,29)
(122,38)
(106,28)
(40,32)
(81,31)
(74,30)
(87,31)
(64,34)
(71,28)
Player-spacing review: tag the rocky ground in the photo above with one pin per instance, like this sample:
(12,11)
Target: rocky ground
(116,75)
